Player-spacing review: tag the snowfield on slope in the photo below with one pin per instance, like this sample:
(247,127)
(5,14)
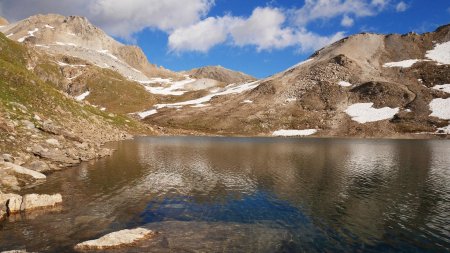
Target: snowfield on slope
(364,112)
(82,96)
(175,88)
(440,53)
(199,102)
(344,84)
(440,108)
(293,132)
(401,64)
(443,87)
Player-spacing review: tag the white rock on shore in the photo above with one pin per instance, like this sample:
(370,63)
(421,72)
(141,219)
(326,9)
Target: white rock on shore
(33,201)
(28,202)
(117,239)
(21,170)
(14,203)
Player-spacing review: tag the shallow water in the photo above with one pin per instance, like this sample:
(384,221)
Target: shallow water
(251,195)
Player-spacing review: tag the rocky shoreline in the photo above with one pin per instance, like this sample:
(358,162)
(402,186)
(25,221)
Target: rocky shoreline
(33,148)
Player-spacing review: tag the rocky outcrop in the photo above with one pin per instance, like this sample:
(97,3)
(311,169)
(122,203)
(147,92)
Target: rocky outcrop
(220,74)
(21,170)
(123,238)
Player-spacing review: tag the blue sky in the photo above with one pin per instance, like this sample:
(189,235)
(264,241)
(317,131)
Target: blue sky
(257,37)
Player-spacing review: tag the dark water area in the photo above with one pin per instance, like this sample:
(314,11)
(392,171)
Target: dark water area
(250,195)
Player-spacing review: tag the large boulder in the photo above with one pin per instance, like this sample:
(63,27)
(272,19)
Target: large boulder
(23,171)
(54,155)
(39,166)
(34,201)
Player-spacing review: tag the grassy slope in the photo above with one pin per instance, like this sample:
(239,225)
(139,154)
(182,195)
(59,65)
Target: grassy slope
(19,85)
(110,90)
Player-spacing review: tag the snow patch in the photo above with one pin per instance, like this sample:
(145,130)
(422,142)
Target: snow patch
(287,100)
(49,26)
(440,53)
(293,132)
(30,34)
(401,64)
(9,35)
(66,44)
(175,88)
(63,64)
(443,130)
(147,113)
(344,84)
(106,52)
(199,105)
(199,102)
(247,101)
(44,46)
(443,87)
(364,112)
(440,108)
(82,96)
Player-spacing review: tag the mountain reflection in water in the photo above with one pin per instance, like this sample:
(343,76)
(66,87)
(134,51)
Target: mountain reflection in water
(252,195)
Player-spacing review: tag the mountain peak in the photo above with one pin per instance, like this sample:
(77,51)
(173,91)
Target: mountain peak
(3,21)
(77,37)
(220,74)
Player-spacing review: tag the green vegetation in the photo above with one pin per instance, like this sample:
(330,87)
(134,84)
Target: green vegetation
(19,85)
(110,90)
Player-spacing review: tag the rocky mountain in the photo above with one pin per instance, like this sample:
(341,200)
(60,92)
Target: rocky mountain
(366,85)
(42,129)
(75,36)
(220,74)
(3,21)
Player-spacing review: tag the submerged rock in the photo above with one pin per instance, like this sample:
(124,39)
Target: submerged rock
(117,239)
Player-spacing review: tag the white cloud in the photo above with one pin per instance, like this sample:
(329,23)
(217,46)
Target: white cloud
(201,36)
(263,29)
(119,18)
(326,9)
(309,41)
(190,29)
(401,7)
(347,21)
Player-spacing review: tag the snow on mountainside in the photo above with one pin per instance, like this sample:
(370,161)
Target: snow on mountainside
(76,36)
(220,74)
(363,85)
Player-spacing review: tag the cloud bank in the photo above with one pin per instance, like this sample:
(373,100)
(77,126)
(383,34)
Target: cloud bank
(190,29)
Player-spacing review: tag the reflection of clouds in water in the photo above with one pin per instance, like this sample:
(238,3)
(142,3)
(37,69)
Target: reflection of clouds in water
(189,170)
(368,158)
